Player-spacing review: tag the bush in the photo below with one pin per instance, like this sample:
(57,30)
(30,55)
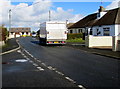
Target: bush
(3,33)
(76,40)
(75,35)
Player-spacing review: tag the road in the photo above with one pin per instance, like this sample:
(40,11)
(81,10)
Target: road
(75,65)
(85,68)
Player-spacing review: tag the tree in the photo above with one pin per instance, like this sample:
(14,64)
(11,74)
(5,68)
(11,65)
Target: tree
(3,33)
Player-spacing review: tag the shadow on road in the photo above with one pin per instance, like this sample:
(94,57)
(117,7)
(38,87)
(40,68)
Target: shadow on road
(35,42)
(48,45)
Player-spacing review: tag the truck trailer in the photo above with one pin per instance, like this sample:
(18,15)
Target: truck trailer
(53,33)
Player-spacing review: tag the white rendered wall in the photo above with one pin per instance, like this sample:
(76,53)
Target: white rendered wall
(117,31)
(116,43)
(98,41)
(11,35)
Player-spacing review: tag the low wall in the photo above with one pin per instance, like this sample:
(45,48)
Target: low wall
(116,43)
(98,41)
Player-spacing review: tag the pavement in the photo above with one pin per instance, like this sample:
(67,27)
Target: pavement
(10,45)
(97,51)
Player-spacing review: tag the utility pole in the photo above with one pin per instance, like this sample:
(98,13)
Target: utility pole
(9,19)
(49,15)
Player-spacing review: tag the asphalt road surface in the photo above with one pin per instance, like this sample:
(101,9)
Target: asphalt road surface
(80,67)
(20,71)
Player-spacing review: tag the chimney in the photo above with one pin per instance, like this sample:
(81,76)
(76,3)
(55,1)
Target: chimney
(101,9)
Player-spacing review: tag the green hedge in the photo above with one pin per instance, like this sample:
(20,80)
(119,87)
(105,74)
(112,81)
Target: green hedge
(75,35)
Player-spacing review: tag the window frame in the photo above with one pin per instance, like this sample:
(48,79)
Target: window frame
(106,31)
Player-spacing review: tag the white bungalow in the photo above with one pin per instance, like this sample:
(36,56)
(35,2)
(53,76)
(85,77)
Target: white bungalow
(108,25)
(19,31)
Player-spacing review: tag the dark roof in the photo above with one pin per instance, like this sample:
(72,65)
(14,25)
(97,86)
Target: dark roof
(20,29)
(87,21)
(110,18)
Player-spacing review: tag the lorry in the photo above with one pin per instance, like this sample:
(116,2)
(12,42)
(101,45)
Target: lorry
(53,32)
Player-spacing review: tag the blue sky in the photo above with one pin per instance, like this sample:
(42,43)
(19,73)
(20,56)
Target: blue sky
(83,8)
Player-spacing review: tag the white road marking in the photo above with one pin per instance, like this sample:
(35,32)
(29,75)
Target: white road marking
(60,73)
(35,64)
(51,68)
(41,69)
(80,86)
(32,56)
(70,79)
(23,54)
(38,60)
(31,61)
(21,60)
(43,64)
(27,58)
(19,51)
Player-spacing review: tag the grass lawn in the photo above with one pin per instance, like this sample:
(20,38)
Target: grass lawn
(78,40)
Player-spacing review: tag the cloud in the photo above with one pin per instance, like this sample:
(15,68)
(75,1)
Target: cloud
(114,4)
(31,16)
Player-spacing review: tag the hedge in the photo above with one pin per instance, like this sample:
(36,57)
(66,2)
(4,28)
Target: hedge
(74,35)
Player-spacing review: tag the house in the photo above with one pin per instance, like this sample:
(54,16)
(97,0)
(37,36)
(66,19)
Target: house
(85,25)
(19,31)
(99,28)
(105,31)
(108,25)
(80,26)
(68,25)
(102,23)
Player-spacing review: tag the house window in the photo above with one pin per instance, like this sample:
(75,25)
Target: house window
(79,30)
(22,33)
(27,33)
(71,31)
(98,32)
(11,33)
(106,31)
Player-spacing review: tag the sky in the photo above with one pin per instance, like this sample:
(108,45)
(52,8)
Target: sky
(31,13)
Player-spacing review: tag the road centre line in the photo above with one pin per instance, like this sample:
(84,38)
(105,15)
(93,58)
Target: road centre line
(27,58)
(40,68)
(51,68)
(80,86)
(38,60)
(71,80)
(35,64)
(60,73)
(44,64)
